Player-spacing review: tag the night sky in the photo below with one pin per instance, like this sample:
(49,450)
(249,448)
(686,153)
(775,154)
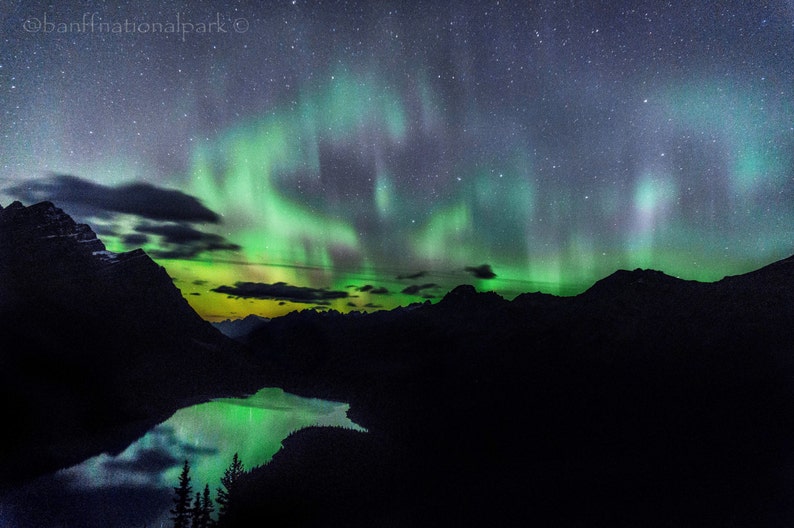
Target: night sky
(276,156)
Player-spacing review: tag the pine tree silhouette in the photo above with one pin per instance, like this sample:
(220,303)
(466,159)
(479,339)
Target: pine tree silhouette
(195,511)
(180,513)
(227,491)
(203,507)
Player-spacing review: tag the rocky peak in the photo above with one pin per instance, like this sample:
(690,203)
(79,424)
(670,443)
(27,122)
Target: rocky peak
(25,228)
(466,297)
(46,256)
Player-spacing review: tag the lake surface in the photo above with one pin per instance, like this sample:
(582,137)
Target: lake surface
(135,488)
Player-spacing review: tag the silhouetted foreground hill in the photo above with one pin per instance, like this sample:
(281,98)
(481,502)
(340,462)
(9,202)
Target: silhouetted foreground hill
(645,401)
(96,346)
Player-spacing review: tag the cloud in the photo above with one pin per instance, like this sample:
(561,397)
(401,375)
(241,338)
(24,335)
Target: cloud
(169,213)
(482,271)
(134,240)
(372,289)
(104,230)
(140,199)
(182,241)
(280,291)
(417,275)
(414,289)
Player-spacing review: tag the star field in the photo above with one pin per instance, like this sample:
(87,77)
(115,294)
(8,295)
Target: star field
(280,155)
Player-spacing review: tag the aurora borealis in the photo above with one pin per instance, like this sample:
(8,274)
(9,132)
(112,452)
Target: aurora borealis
(358,155)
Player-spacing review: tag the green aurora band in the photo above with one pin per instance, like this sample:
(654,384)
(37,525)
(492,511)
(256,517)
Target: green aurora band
(297,226)
(256,174)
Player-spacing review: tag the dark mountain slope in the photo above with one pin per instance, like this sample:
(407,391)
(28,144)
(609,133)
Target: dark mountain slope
(645,401)
(96,346)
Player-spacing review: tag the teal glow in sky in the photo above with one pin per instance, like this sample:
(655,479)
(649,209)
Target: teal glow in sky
(358,156)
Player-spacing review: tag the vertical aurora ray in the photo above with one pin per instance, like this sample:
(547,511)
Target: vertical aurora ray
(718,165)
(654,197)
(444,237)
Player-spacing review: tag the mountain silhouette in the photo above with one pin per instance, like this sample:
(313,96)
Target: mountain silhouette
(647,400)
(96,346)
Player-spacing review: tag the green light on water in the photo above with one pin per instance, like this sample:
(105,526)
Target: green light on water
(208,435)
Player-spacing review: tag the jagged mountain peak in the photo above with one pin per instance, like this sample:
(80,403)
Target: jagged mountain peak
(46,255)
(25,228)
(466,295)
(40,211)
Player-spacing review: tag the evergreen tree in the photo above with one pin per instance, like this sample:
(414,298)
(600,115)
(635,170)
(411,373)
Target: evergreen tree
(228,482)
(203,508)
(195,512)
(180,513)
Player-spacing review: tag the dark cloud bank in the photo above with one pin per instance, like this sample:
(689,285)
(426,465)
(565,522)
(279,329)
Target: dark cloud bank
(280,291)
(168,213)
(140,199)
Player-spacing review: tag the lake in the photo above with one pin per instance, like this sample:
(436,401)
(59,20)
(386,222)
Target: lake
(135,488)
